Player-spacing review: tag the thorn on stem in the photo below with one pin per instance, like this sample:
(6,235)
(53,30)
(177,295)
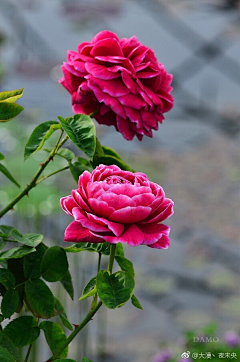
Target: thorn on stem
(75,325)
(41,164)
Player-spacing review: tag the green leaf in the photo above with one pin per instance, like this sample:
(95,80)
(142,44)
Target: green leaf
(16,253)
(83,161)
(115,289)
(77,169)
(54,264)
(91,247)
(1,318)
(52,129)
(5,171)
(40,297)
(90,289)
(37,137)
(9,110)
(66,282)
(81,131)
(2,244)
(11,96)
(5,356)
(22,331)
(6,342)
(7,278)
(9,303)
(136,302)
(99,149)
(62,314)
(125,265)
(32,262)
(119,250)
(109,151)
(64,153)
(7,229)
(16,267)
(111,160)
(55,337)
(30,239)
(1,156)
(2,290)
(84,359)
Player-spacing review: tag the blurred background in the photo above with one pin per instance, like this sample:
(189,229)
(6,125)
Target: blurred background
(194,156)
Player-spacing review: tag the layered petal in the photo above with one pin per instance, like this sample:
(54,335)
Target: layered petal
(115,206)
(78,234)
(132,236)
(123,79)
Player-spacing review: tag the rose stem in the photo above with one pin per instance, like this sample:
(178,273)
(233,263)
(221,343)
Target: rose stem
(111,258)
(90,314)
(33,183)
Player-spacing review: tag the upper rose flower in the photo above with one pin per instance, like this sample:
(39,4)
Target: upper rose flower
(118,206)
(120,78)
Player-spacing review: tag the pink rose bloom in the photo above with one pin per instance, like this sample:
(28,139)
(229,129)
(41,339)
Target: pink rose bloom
(118,207)
(123,80)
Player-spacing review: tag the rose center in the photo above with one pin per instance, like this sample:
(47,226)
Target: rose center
(116,180)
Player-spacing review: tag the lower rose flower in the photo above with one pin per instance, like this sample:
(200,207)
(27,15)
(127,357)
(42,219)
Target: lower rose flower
(118,206)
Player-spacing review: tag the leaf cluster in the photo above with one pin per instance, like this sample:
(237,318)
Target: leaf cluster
(8,110)
(24,271)
(114,290)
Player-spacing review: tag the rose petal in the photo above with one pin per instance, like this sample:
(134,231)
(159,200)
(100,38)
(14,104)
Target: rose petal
(67,204)
(167,211)
(117,201)
(71,80)
(100,72)
(143,199)
(132,100)
(130,215)
(124,127)
(79,200)
(86,223)
(162,243)
(103,35)
(116,228)
(132,236)
(114,88)
(129,190)
(108,46)
(101,208)
(153,232)
(129,83)
(105,98)
(78,234)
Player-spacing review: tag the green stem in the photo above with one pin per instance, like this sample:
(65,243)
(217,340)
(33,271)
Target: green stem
(111,258)
(94,113)
(99,261)
(29,348)
(51,174)
(88,317)
(95,297)
(28,353)
(33,183)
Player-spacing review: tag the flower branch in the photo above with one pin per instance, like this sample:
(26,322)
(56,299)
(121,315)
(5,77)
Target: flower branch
(34,182)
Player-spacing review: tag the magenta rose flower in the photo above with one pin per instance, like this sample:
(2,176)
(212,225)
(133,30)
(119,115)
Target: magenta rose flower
(118,206)
(123,80)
